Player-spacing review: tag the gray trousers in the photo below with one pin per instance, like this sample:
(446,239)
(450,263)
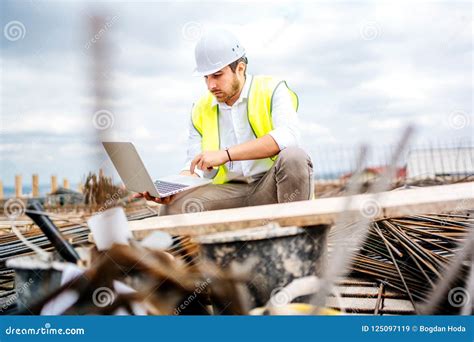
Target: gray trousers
(289,179)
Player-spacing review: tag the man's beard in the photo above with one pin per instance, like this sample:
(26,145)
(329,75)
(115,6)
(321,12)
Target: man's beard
(234,89)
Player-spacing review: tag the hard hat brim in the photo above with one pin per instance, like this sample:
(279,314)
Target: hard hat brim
(197,73)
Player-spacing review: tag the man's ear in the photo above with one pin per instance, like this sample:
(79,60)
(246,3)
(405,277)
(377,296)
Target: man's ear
(241,67)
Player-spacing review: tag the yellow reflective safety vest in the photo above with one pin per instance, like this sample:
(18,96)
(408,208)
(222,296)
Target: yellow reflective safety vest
(205,116)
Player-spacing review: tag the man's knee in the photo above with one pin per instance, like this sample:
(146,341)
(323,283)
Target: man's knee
(183,205)
(205,198)
(196,205)
(294,158)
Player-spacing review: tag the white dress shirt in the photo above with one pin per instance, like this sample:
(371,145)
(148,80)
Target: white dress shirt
(235,129)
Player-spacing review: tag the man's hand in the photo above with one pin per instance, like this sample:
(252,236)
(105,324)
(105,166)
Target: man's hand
(207,160)
(188,173)
(148,197)
(165,200)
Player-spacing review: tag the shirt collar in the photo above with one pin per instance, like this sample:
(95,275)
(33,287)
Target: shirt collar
(243,94)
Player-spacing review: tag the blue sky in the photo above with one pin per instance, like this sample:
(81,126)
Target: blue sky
(362,70)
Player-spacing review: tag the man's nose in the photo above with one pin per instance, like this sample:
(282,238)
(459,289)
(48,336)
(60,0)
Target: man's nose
(211,84)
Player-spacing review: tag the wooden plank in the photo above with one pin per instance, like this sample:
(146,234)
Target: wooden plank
(436,199)
(368,304)
(54,183)
(366,292)
(35,186)
(18,186)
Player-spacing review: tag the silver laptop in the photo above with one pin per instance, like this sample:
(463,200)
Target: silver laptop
(136,178)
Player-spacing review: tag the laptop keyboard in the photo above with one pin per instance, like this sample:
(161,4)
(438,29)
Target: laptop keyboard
(165,187)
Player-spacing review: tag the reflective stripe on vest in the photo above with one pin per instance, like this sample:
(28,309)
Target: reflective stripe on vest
(205,116)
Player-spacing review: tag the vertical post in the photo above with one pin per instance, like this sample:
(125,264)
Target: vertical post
(1,190)
(35,186)
(101,173)
(65,183)
(18,186)
(54,184)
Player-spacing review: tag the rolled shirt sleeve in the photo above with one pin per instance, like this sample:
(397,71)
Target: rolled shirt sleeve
(286,130)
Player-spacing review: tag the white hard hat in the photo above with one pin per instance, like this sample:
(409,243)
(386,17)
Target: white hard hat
(215,50)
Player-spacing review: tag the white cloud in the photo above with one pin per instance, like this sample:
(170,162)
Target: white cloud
(45,122)
(386,124)
(320,133)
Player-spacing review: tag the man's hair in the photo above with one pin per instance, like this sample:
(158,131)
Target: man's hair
(233,65)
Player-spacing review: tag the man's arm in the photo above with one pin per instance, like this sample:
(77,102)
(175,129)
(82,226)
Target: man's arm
(260,148)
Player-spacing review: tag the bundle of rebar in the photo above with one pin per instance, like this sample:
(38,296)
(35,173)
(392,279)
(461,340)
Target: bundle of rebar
(410,253)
